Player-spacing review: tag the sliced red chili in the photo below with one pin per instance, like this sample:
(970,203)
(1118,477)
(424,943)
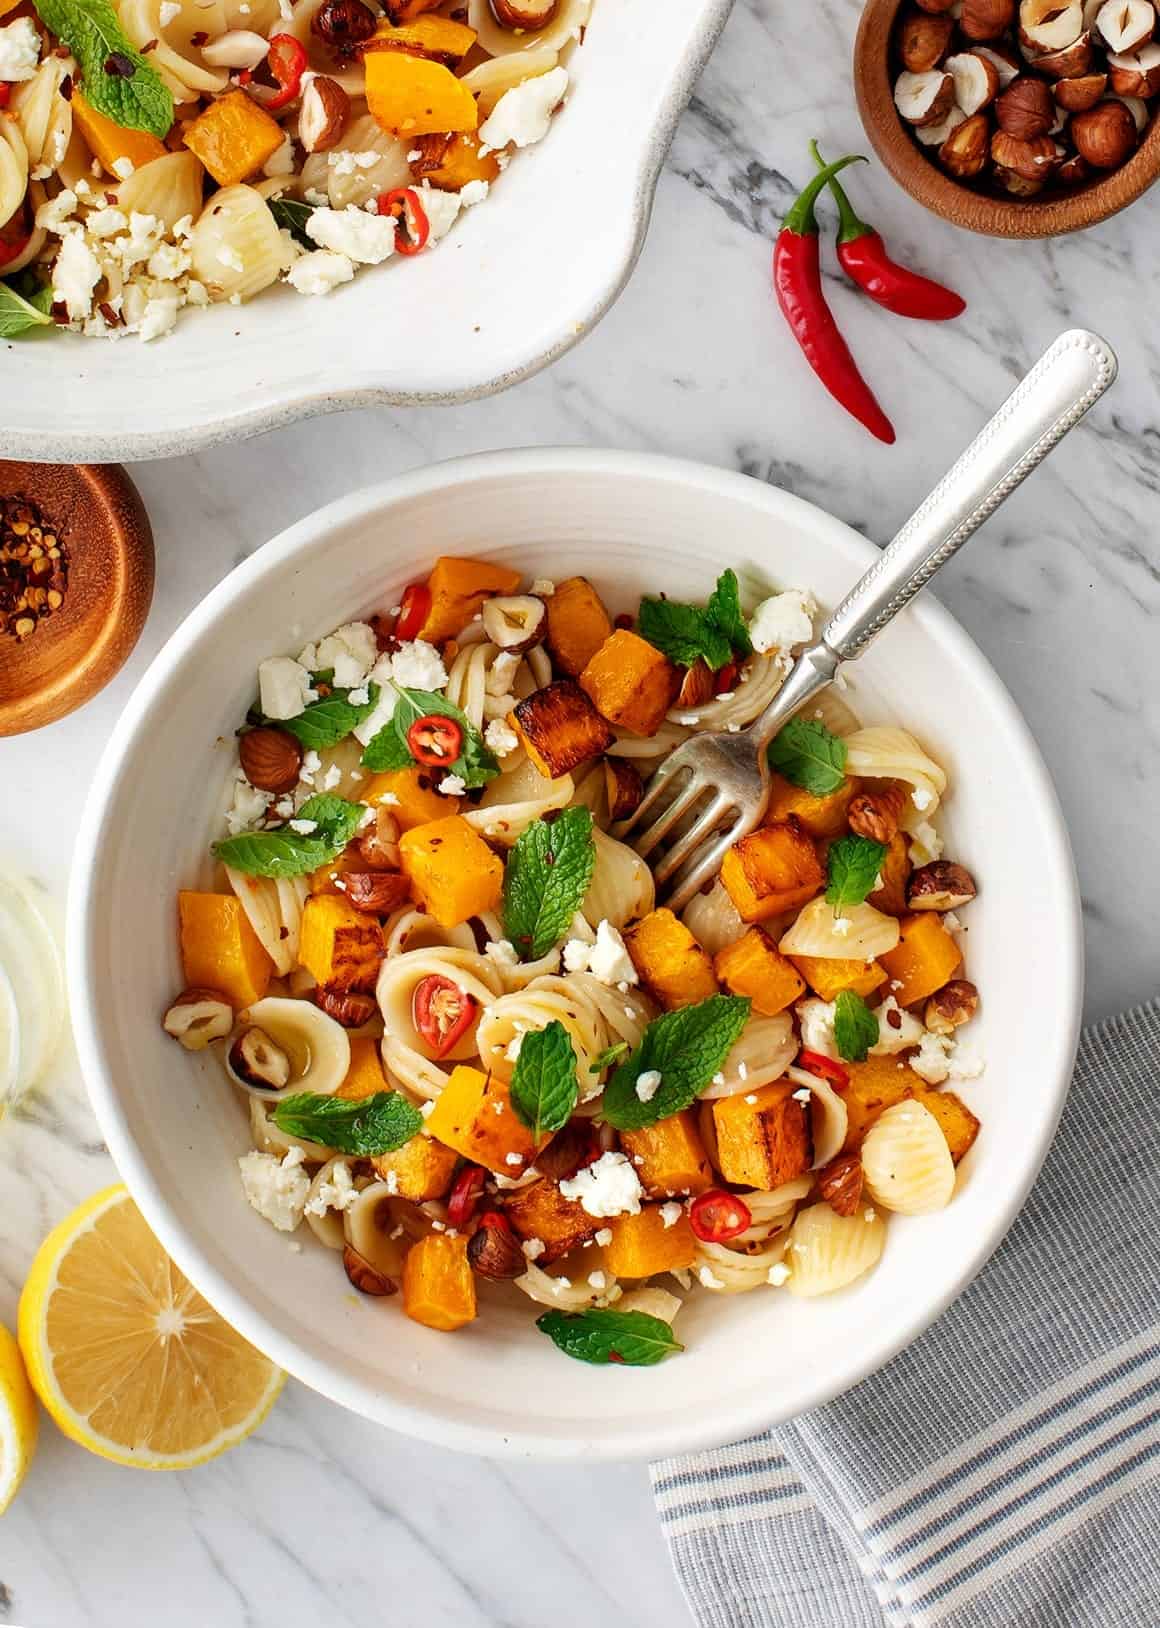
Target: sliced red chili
(406,206)
(725,679)
(826,1068)
(717,1216)
(435,741)
(5,92)
(442,1012)
(282,69)
(465,1195)
(414,608)
(493,1218)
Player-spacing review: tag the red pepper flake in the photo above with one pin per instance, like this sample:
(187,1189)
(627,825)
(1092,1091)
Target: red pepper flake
(615,1356)
(109,314)
(150,45)
(199,39)
(5,92)
(119,65)
(894,1018)
(623,620)
(59,312)
(66,84)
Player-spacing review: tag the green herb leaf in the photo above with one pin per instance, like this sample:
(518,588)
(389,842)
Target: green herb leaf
(115,77)
(547,876)
(855,1027)
(687,1048)
(544,1087)
(292,853)
(325,723)
(293,214)
(362,1126)
(688,633)
(852,867)
(610,1055)
(476,763)
(602,1335)
(18,315)
(807,754)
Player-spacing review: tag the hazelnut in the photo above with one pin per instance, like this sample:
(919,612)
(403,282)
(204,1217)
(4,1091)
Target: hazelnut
(840,1183)
(942,885)
(954,1004)
(697,684)
(198,1016)
(1104,135)
(923,40)
(986,19)
(924,98)
(1018,185)
(964,153)
(323,115)
(976,80)
(379,845)
(1073,171)
(367,1279)
(933,135)
(343,24)
(492,1249)
(524,13)
(1070,63)
(1046,25)
(349,1007)
(270,758)
(1004,61)
(875,813)
(1029,160)
(577,1144)
(1138,73)
(376,893)
(1077,95)
(254,1059)
(623,787)
(515,621)
(1025,109)
(1126,24)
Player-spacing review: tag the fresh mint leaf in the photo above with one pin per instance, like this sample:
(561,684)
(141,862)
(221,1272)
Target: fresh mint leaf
(610,1055)
(18,315)
(285,853)
(723,609)
(807,754)
(855,1027)
(852,867)
(386,751)
(324,723)
(543,1087)
(546,878)
(115,78)
(476,763)
(362,1126)
(686,1047)
(293,214)
(602,1335)
(689,633)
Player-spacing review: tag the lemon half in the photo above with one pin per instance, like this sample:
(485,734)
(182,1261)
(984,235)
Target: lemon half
(18,1419)
(123,1352)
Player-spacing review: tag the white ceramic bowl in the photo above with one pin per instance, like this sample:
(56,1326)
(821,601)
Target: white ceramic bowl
(634,523)
(514,286)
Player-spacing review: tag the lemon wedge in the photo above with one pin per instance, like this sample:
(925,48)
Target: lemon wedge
(18,1419)
(123,1352)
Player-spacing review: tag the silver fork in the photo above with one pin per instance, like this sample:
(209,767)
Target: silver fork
(719,783)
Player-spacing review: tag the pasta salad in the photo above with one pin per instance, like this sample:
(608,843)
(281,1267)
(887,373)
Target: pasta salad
(473,1050)
(157,154)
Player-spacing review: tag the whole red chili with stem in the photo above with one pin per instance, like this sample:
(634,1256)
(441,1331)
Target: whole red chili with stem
(863,257)
(797,281)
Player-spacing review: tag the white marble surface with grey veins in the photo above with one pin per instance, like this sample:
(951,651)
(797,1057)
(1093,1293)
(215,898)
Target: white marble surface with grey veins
(325,1519)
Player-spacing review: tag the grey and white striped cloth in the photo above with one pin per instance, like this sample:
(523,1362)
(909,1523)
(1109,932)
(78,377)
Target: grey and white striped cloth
(1005,1468)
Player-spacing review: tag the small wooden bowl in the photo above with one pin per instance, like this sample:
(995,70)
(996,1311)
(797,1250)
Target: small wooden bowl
(963,205)
(97,513)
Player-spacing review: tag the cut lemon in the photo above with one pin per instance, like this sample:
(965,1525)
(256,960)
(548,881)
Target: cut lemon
(18,1419)
(125,1355)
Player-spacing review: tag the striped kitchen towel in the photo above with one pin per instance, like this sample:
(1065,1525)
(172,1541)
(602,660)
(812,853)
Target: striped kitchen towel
(1004,1469)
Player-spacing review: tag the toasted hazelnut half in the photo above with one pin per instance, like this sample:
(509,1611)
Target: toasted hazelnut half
(923,40)
(378,846)
(933,135)
(493,1250)
(696,686)
(976,80)
(364,1277)
(524,13)
(1126,24)
(840,1183)
(986,19)
(346,1006)
(324,114)
(1077,95)
(1030,160)
(1006,64)
(964,153)
(623,787)
(376,893)
(924,98)
(1105,134)
(271,758)
(256,1060)
(941,885)
(1138,73)
(1073,171)
(876,811)
(1025,109)
(198,1016)
(1018,185)
(953,1005)
(516,621)
(239,48)
(1045,25)
(1067,64)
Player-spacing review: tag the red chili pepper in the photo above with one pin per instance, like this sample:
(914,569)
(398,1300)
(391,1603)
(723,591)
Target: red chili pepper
(285,62)
(5,92)
(435,741)
(405,205)
(825,1068)
(14,239)
(413,611)
(798,283)
(725,679)
(442,1012)
(493,1218)
(465,1195)
(862,255)
(717,1216)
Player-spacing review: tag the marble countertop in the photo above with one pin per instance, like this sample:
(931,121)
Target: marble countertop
(322,1517)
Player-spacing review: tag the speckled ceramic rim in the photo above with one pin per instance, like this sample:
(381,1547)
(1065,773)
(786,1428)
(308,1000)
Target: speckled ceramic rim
(721,1418)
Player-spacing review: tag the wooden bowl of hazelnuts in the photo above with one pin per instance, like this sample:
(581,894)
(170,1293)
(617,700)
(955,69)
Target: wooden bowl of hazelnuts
(1017,118)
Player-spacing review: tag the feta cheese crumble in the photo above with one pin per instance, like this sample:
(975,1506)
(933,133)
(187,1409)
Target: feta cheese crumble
(897,1029)
(337,1192)
(500,737)
(19,50)
(606,959)
(670,1213)
(816,1018)
(783,620)
(283,687)
(319,271)
(276,1188)
(452,785)
(610,1186)
(365,239)
(778,1274)
(648,1084)
(522,115)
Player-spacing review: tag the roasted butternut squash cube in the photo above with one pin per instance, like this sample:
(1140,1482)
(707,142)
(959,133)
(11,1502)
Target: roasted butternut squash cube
(339,946)
(924,959)
(578,625)
(559,728)
(365,1075)
(541,1211)
(326,878)
(111,143)
(438,1283)
(890,898)
(642,1245)
(410,795)
(764,1137)
(670,1157)
(631,683)
(409,95)
(956,1121)
(438,38)
(754,966)
(823,817)
(421,1169)
(460,586)
(672,966)
(828,977)
(772,870)
(450,160)
(454,873)
(219,948)
(875,1085)
(233,137)
(473,1114)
